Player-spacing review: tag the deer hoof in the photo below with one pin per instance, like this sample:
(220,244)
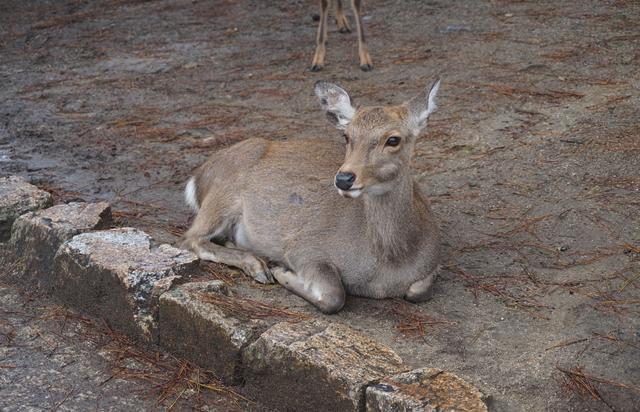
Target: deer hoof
(315,68)
(263,277)
(366,67)
(259,271)
(344,30)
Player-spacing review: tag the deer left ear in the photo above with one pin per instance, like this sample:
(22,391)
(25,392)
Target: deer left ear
(421,107)
(336,104)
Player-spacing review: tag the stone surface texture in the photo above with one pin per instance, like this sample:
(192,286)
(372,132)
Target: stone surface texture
(36,236)
(315,365)
(119,275)
(17,196)
(425,389)
(193,327)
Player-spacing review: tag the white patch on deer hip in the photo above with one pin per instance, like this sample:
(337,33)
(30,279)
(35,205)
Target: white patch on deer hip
(190,194)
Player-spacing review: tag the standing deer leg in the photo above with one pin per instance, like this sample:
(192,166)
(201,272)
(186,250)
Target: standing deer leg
(318,284)
(321,38)
(341,19)
(198,240)
(365,60)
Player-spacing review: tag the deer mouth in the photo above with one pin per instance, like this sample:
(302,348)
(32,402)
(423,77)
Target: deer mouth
(351,193)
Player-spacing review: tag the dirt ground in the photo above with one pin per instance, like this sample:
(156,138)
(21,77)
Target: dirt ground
(532,162)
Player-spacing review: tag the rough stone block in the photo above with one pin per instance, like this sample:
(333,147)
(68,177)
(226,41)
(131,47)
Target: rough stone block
(36,236)
(426,389)
(197,329)
(119,275)
(315,365)
(18,197)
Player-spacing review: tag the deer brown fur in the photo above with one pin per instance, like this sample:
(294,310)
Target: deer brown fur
(262,201)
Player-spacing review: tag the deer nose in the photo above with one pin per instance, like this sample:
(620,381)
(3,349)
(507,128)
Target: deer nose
(344,181)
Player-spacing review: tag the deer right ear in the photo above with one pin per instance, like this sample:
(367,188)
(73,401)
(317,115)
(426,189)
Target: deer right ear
(421,107)
(336,104)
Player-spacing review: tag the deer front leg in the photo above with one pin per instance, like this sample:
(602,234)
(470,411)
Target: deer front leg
(421,290)
(320,285)
(321,38)
(365,60)
(241,259)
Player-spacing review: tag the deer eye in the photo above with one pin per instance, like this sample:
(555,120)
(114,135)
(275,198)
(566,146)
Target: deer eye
(393,141)
(346,138)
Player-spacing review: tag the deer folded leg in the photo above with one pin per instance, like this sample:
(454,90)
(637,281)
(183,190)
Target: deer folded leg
(214,218)
(318,284)
(241,259)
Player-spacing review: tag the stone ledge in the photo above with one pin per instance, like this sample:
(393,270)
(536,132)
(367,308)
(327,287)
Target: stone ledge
(427,390)
(119,275)
(16,198)
(194,328)
(315,364)
(38,235)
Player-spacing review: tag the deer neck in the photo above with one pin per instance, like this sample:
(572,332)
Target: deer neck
(394,221)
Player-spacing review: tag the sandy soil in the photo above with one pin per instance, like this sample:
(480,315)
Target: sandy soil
(532,162)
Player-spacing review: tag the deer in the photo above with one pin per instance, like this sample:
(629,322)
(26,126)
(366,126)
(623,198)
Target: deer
(270,208)
(343,26)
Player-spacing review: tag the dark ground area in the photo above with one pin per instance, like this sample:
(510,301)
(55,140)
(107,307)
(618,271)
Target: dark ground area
(532,162)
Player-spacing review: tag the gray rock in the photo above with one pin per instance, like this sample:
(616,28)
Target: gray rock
(294,366)
(455,28)
(119,275)
(193,326)
(426,389)
(18,197)
(36,236)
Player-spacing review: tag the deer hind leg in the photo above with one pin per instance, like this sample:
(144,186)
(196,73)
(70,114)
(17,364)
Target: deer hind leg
(198,240)
(321,38)
(318,284)
(421,290)
(365,59)
(341,19)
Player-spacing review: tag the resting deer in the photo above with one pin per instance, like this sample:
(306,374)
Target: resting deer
(343,26)
(275,200)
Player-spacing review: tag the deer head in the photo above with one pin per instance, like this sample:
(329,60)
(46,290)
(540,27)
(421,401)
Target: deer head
(379,140)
